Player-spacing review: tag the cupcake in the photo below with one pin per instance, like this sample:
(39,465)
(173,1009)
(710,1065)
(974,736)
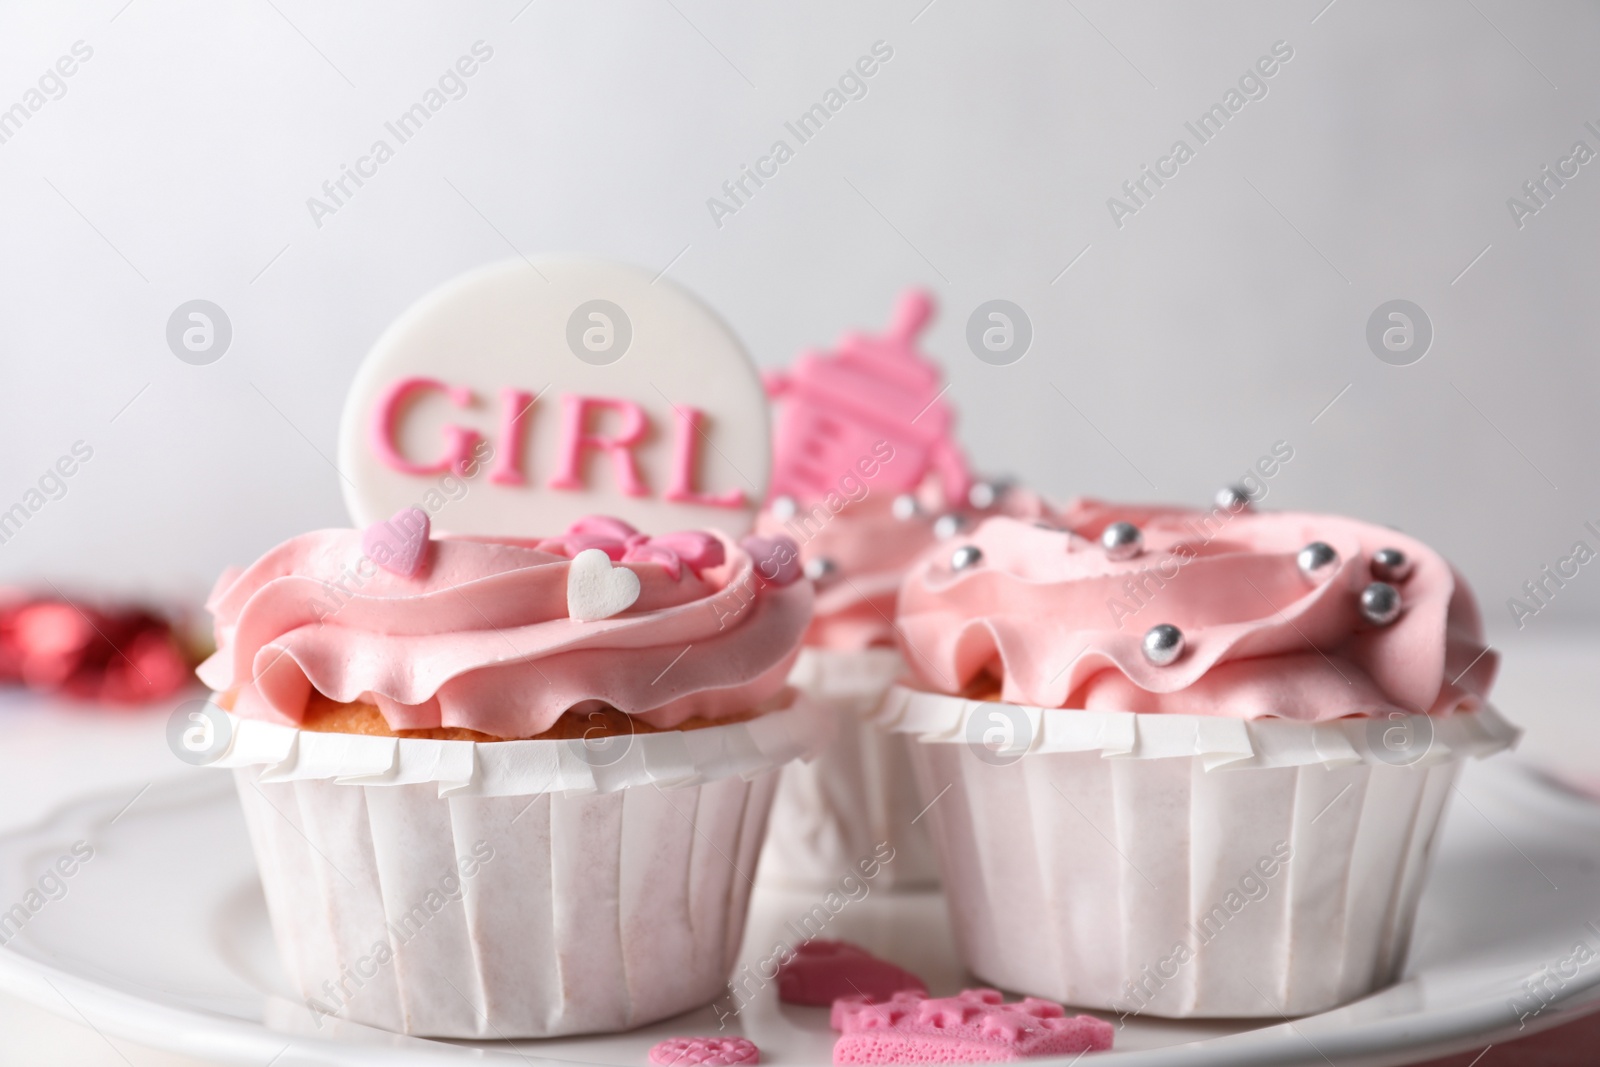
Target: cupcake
(509,788)
(866,477)
(1189,763)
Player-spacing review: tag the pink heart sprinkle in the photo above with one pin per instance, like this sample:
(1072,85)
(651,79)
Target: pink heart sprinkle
(601,526)
(777,559)
(400,544)
(699,551)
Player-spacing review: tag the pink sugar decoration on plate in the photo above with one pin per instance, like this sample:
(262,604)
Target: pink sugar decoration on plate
(704,1052)
(821,972)
(974,1026)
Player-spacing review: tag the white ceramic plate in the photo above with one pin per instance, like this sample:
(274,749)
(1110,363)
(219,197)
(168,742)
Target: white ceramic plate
(162,938)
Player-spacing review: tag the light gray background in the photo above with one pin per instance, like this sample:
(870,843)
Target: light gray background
(1226,315)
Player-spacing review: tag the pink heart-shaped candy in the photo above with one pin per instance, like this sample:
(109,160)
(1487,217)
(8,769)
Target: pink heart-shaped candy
(699,551)
(400,544)
(777,559)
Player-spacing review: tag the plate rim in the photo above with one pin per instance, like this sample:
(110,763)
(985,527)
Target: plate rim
(220,1038)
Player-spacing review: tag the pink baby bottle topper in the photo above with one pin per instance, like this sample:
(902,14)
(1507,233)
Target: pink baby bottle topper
(840,408)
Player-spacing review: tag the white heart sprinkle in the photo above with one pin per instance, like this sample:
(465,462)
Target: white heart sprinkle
(596,589)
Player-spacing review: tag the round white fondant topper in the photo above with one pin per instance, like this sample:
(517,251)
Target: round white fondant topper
(521,397)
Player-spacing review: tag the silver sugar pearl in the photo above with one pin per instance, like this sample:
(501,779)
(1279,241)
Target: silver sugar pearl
(784,508)
(1122,540)
(984,495)
(1317,561)
(1163,644)
(819,569)
(1380,603)
(1390,565)
(1233,498)
(905,507)
(946,526)
(964,557)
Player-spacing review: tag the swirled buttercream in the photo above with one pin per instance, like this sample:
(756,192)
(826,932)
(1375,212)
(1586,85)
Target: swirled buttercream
(868,546)
(1059,624)
(480,638)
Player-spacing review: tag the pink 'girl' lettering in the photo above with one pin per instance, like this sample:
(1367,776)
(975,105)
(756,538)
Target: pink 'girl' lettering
(577,437)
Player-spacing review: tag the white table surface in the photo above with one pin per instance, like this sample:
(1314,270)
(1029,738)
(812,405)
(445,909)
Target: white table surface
(49,752)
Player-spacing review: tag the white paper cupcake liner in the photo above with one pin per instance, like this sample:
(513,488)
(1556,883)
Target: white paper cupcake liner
(858,793)
(516,888)
(1184,866)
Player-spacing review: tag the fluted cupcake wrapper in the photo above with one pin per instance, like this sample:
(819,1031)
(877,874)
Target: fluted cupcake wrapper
(1113,870)
(858,793)
(535,914)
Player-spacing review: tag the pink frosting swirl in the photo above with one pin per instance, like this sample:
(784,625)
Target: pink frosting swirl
(1061,624)
(480,637)
(869,549)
